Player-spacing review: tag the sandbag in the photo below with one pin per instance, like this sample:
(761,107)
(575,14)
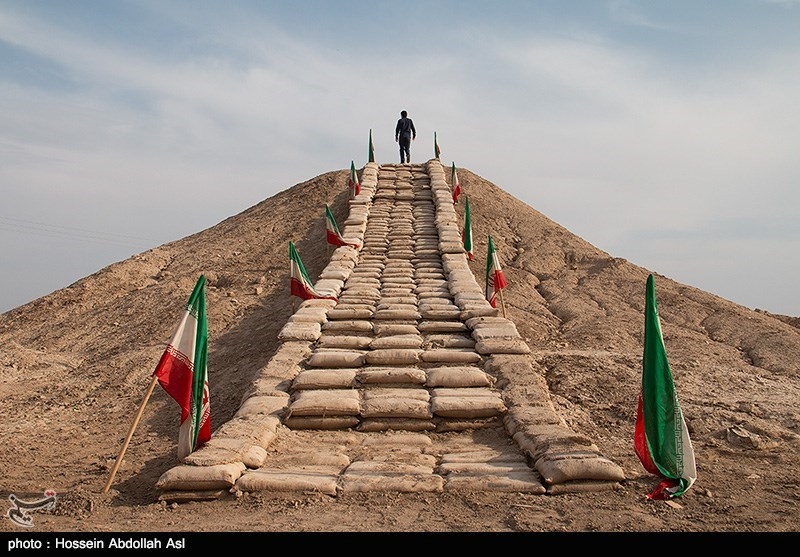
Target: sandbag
(502,346)
(333,358)
(396,392)
(390,329)
(321,422)
(467,407)
(384,407)
(458,376)
(514,483)
(350,313)
(187,478)
(274,405)
(288,481)
(348,325)
(387,375)
(344,341)
(324,379)
(328,402)
(396,341)
(558,469)
(359,483)
(449,341)
(451,356)
(395,424)
(300,331)
(393,356)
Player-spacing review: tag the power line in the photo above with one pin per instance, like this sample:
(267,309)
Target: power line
(73,233)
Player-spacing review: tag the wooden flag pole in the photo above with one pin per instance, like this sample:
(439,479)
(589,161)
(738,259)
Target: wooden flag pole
(130,433)
(502,302)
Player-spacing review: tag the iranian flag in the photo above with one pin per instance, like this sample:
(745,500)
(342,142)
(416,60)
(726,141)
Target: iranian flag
(334,237)
(495,279)
(183,373)
(436,150)
(455,184)
(352,182)
(371,148)
(466,233)
(661,439)
(300,283)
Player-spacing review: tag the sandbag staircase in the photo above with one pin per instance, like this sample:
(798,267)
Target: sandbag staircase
(411,381)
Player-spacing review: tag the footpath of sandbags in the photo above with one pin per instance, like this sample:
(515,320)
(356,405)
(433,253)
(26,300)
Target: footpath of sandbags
(386,360)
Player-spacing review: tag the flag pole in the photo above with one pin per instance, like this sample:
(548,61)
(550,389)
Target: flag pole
(135,423)
(502,302)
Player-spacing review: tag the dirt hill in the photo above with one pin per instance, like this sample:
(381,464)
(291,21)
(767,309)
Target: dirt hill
(75,366)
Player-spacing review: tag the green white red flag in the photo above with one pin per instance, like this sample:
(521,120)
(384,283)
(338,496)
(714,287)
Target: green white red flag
(495,279)
(466,233)
(661,438)
(333,236)
(436,150)
(371,148)
(300,284)
(183,373)
(456,185)
(352,182)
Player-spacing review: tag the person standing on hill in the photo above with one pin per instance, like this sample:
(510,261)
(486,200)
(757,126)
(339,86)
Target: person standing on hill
(404,133)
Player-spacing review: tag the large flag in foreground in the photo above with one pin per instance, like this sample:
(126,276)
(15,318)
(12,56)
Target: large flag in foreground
(300,283)
(183,373)
(661,439)
(436,150)
(333,236)
(495,279)
(352,181)
(456,185)
(466,233)
(371,148)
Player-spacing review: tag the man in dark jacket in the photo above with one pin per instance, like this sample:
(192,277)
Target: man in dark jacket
(404,132)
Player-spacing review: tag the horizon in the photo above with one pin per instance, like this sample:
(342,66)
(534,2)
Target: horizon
(662,134)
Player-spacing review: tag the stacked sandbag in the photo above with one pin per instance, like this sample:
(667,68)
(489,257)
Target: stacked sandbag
(566,460)
(297,468)
(393,461)
(472,467)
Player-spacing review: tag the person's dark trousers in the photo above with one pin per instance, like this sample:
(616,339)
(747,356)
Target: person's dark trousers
(405,149)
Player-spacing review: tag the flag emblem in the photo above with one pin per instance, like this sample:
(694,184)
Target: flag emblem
(333,236)
(456,185)
(182,372)
(352,182)
(661,438)
(300,284)
(495,279)
(466,233)
(371,148)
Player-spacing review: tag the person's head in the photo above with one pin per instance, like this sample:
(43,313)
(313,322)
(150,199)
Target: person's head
(403,113)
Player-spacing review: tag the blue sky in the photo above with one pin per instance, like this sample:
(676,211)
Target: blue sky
(665,132)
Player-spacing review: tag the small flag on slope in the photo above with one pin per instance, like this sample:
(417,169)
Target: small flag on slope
(456,185)
(352,181)
(371,148)
(300,283)
(495,279)
(436,150)
(333,236)
(183,373)
(661,438)
(466,233)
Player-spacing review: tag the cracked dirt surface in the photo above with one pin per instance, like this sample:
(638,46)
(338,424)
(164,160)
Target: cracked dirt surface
(74,366)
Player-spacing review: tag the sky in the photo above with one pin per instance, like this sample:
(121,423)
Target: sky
(663,132)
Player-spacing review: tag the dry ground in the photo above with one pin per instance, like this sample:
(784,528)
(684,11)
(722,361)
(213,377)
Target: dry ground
(74,367)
